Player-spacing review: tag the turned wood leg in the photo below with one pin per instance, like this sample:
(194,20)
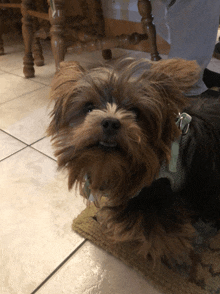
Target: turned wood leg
(36,46)
(107,53)
(27,32)
(145,10)
(1,46)
(37,52)
(57,20)
(1,32)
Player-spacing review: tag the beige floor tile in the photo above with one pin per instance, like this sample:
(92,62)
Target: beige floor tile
(12,47)
(26,117)
(36,213)
(91,59)
(93,271)
(45,147)
(12,59)
(138,54)
(43,74)
(9,145)
(13,42)
(95,59)
(32,127)
(12,86)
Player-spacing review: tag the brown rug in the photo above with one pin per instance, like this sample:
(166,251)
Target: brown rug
(169,279)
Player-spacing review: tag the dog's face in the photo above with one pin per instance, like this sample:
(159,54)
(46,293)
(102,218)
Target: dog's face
(116,125)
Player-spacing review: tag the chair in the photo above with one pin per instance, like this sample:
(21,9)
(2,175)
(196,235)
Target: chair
(84,32)
(36,47)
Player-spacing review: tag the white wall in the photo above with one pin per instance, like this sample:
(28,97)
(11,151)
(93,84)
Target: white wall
(128,10)
(121,9)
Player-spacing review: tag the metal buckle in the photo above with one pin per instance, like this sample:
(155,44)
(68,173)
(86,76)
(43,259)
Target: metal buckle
(183,122)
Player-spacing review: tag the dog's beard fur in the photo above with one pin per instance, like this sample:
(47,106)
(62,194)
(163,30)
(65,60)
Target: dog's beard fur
(145,98)
(118,171)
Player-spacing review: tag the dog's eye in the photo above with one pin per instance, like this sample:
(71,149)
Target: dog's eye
(136,112)
(89,107)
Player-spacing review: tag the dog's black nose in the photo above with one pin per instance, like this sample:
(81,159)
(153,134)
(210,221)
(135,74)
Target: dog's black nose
(110,126)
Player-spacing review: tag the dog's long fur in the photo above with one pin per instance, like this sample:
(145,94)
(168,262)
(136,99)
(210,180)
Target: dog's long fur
(116,125)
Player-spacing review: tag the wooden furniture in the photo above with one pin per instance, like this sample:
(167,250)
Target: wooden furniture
(5,4)
(9,19)
(84,32)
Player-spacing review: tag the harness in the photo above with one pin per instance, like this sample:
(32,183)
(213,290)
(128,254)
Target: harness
(175,172)
(183,122)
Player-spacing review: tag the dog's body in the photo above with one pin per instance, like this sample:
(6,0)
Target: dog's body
(117,127)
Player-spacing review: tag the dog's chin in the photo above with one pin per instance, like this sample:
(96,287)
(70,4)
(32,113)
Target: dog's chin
(107,165)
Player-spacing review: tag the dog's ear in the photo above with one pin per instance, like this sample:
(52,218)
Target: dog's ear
(184,73)
(69,71)
(70,66)
(65,79)
(62,86)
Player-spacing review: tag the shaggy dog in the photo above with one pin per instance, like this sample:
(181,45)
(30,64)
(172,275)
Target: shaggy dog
(127,132)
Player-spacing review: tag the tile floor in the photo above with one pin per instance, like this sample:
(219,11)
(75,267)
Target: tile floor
(36,209)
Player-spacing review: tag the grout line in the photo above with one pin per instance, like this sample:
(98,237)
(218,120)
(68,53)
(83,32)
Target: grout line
(13,154)
(17,97)
(42,153)
(27,145)
(37,141)
(11,73)
(8,72)
(34,148)
(59,266)
(14,137)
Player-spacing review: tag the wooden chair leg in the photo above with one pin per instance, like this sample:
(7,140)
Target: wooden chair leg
(57,20)
(37,52)
(107,53)
(145,10)
(36,46)
(1,33)
(27,32)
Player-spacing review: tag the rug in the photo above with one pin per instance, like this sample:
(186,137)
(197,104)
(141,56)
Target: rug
(169,278)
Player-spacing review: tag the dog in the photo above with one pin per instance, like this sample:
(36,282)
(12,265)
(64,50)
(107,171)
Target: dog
(128,132)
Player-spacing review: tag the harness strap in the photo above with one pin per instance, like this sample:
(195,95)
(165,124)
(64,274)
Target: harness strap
(183,122)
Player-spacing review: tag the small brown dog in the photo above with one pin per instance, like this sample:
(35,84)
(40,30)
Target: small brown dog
(116,126)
